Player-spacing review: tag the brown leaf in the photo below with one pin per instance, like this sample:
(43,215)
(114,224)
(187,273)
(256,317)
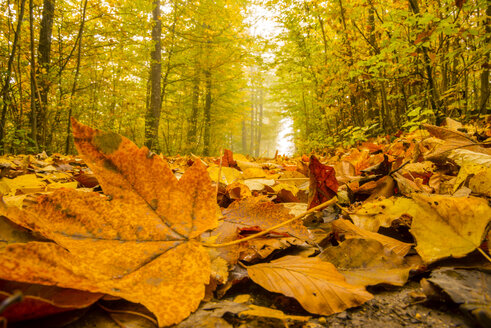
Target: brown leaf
(228,158)
(367,262)
(258,212)
(316,284)
(349,230)
(453,140)
(323,183)
(39,301)
(137,243)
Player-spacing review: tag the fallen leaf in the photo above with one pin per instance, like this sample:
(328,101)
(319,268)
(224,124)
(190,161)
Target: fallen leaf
(39,301)
(478,178)
(453,140)
(228,158)
(253,172)
(349,230)
(252,212)
(238,190)
(258,184)
(228,175)
(381,213)
(367,262)
(316,284)
(210,315)
(448,226)
(323,183)
(265,312)
(471,289)
(137,244)
(28,183)
(466,157)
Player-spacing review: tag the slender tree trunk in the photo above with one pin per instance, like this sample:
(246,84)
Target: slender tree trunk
(207,114)
(259,124)
(483,101)
(427,63)
(252,125)
(75,78)
(44,55)
(244,135)
(153,112)
(6,84)
(192,136)
(33,114)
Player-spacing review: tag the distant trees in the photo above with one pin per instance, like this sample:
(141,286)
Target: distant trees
(171,75)
(348,69)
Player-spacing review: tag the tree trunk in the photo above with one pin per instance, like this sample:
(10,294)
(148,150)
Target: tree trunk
(483,101)
(44,55)
(6,84)
(75,78)
(153,112)
(427,62)
(244,136)
(253,123)
(259,124)
(192,136)
(33,114)
(207,115)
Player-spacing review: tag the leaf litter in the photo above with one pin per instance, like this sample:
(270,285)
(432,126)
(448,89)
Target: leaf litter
(142,229)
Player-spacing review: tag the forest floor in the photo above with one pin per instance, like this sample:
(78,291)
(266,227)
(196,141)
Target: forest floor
(397,235)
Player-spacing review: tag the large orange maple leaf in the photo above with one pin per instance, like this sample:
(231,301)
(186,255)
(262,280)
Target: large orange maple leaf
(138,241)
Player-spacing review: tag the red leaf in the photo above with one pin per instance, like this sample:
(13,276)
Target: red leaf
(323,183)
(228,158)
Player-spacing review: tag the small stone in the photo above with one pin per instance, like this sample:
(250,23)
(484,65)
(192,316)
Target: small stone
(342,315)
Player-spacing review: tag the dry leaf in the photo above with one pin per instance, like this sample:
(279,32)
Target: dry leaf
(367,262)
(257,212)
(323,183)
(39,301)
(137,244)
(380,213)
(453,140)
(349,230)
(265,312)
(316,284)
(448,226)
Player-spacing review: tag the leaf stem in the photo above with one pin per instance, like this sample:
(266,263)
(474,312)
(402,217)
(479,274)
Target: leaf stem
(282,224)
(484,254)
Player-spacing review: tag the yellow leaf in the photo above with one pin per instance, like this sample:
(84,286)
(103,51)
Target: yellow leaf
(449,226)
(380,213)
(58,185)
(28,183)
(254,172)
(316,284)
(265,312)
(480,183)
(367,262)
(228,175)
(285,186)
(349,230)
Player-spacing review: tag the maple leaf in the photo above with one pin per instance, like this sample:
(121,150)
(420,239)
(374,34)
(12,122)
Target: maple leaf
(316,284)
(137,242)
